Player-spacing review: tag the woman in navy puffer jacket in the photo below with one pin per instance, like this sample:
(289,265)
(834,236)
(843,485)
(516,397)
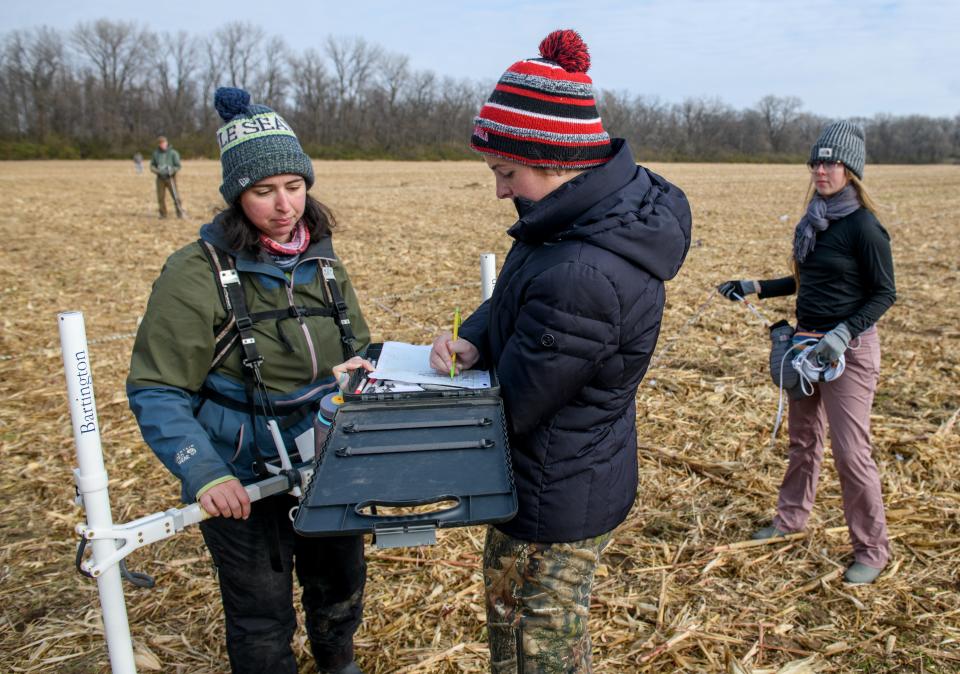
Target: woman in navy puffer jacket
(570,329)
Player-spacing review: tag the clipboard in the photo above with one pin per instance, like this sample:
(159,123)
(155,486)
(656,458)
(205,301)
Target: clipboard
(373,353)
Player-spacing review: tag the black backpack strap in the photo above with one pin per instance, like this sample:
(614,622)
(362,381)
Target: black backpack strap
(279,315)
(238,329)
(252,381)
(287,416)
(290,312)
(238,317)
(225,334)
(347,340)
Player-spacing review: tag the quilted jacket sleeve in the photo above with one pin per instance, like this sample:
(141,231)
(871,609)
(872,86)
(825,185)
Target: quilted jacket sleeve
(474,330)
(567,327)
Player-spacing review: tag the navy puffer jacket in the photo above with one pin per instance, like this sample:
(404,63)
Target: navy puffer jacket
(570,328)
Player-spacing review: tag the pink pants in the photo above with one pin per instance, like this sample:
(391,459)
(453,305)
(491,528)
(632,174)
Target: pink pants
(845,404)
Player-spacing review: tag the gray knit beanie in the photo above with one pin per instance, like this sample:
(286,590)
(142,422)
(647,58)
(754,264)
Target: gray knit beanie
(841,141)
(255,143)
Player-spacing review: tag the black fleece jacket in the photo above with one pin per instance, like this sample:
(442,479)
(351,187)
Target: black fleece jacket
(848,277)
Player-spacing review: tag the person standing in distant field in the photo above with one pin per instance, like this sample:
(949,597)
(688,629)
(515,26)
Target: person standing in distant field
(165,164)
(843,279)
(138,163)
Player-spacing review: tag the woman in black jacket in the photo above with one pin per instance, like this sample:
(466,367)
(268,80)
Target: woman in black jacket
(844,282)
(570,329)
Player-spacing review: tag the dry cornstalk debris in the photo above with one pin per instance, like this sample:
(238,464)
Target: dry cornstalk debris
(681,587)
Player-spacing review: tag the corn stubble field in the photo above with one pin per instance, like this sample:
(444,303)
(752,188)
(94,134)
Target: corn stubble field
(678,590)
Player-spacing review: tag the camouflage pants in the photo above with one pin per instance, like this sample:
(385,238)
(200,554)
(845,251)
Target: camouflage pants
(538,602)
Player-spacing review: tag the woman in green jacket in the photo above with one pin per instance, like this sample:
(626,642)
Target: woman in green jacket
(203,392)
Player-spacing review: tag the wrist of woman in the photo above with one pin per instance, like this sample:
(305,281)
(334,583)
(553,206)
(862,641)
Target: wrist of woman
(213,483)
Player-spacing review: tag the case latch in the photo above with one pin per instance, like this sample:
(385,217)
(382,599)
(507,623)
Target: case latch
(405,535)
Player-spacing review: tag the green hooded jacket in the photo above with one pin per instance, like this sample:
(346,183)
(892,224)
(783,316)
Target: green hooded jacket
(165,163)
(198,439)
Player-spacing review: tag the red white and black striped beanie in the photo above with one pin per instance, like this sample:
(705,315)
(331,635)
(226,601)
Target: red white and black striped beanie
(542,111)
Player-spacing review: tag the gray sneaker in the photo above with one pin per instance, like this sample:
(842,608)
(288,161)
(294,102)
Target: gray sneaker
(861,574)
(768,532)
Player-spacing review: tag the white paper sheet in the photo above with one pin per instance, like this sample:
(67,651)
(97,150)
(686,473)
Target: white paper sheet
(411,363)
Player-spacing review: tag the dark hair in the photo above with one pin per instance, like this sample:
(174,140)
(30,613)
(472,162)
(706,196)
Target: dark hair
(241,234)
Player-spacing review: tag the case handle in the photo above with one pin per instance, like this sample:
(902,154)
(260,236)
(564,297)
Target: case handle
(375,505)
(483,443)
(354,427)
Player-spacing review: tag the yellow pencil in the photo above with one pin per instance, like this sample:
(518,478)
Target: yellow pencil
(456,329)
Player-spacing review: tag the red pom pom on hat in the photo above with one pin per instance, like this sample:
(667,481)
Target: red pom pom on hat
(567,49)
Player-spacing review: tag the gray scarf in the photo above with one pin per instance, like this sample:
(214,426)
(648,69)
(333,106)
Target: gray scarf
(818,216)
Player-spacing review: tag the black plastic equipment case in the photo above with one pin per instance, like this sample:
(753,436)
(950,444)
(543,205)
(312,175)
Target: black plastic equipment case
(405,451)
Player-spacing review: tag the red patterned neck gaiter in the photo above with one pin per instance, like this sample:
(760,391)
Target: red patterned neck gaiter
(297,244)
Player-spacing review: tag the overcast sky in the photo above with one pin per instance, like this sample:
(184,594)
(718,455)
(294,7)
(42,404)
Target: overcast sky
(855,58)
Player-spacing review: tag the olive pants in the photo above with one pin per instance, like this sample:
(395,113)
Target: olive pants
(165,185)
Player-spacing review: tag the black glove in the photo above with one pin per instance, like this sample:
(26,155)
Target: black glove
(742,288)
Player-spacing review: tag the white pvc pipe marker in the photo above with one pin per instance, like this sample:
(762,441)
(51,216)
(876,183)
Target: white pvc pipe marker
(91,478)
(488,275)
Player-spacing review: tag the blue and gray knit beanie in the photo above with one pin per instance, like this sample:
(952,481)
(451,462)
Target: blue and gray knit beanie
(255,143)
(841,141)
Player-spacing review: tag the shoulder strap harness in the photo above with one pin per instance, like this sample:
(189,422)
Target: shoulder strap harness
(238,328)
(347,340)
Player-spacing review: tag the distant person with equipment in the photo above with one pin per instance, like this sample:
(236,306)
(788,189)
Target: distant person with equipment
(165,164)
(844,282)
(138,163)
(570,328)
(241,332)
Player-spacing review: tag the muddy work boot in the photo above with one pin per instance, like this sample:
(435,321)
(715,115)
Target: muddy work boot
(860,574)
(768,532)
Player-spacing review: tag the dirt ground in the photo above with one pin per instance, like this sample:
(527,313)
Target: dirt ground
(676,592)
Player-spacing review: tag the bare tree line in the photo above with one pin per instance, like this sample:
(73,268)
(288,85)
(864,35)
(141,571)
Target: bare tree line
(107,88)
